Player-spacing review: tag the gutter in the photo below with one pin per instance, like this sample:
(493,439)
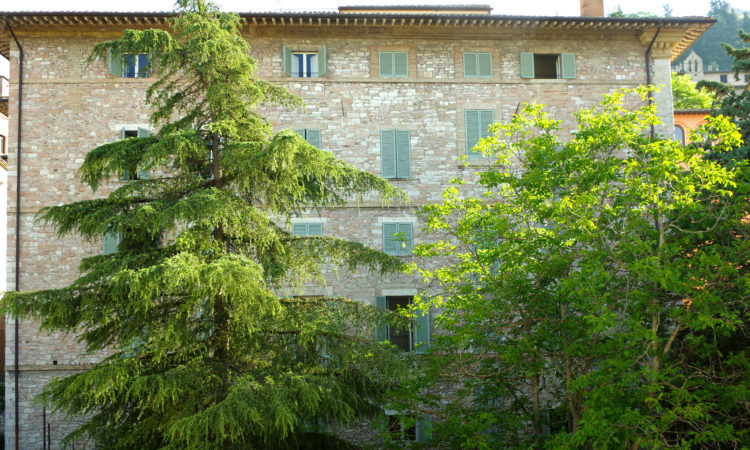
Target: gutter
(18,221)
(648,70)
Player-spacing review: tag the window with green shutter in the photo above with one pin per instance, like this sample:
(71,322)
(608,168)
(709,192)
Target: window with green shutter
(130,65)
(477,124)
(311,135)
(308,64)
(477,65)
(548,66)
(416,338)
(393,64)
(110,242)
(307,229)
(138,174)
(395,154)
(397,239)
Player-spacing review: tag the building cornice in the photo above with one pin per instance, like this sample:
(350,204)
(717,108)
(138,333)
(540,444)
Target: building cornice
(685,30)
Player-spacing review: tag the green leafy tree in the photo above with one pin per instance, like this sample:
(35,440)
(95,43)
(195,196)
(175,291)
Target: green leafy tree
(687,96)
(576,276)
(203,352)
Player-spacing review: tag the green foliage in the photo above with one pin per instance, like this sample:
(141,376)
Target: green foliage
(639,14)
(203,352)
(594,289)
(687,96)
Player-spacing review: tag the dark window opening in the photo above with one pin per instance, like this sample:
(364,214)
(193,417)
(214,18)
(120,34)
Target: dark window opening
(398,432)
(723,78)
(398,336)
(546,66)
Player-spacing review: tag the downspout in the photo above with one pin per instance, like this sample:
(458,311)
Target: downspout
(648,71)
(18,217)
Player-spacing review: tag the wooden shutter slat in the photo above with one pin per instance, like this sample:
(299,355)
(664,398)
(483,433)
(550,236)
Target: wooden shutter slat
(313,137)
(406,242)
(388,153)
(110,242)
(385,64)
(484,65)
(527,65)
(486,118)
(400,64)
(322,66)
(115,64)
(391,245)
(403,154)
(472,132)
(287,56)
(568,62)
(470,65)
(143,174)
(315,229)
(299,229)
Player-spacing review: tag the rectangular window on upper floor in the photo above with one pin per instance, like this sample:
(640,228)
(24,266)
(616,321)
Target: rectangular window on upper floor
(395,153)
(307,229)
(398,239)
(477,65)
(130,65)
(393,64)
(305,64)
(477,124)
(110,242)
(723,78)
(415,336)
(137,174)
(548,66)
(310,135)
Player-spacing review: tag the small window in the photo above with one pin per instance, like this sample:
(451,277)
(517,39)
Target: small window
(477,65)
(3,148)
(747,78)
(723,78)
(415,338)
(305,64)
(397,239)
(393,64)
(110,242)
(679,134)
(402,428)
(395,153)
(548,66)
(130,65)
(307,229)
(311,136)
(138,174)
(477,124)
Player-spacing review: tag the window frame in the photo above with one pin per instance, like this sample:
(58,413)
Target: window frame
(321,63)
(119,62)
(477,65)
(482,133)
(304,133)
(420,330)
(316,231)
(403,249)
(401,159)
(125,133)
(565,65)
(383,54)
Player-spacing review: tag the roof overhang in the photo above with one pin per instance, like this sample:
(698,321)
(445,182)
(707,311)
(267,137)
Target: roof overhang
(684,31)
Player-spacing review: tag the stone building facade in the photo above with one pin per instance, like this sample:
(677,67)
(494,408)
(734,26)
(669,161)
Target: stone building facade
(68,108)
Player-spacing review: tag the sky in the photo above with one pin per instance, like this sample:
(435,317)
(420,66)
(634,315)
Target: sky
(525,7)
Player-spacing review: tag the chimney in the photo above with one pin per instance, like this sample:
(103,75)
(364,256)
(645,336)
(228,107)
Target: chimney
(592,8)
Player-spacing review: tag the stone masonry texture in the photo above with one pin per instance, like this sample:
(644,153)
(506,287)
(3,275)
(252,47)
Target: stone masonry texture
(70,107)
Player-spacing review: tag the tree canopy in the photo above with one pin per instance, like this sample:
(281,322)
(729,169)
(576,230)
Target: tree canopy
(593,289)
(687,96)
(203,352)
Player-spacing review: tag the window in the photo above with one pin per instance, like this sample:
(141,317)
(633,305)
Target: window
(305,64)
(311,136)
(393,64)
(110,242)
(397,239)
(415,338)
(747,78)
(129,174)
(679,134)
(723,78)
(477,65)
(548,66)
(3,148)
(130,65)
(395,154)
(307,229)
(477,122)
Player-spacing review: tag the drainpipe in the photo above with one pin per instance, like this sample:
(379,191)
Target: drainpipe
(648,70)
(18,216)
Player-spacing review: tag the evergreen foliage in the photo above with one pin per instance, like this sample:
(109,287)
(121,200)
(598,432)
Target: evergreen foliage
(593,290)
(202,351)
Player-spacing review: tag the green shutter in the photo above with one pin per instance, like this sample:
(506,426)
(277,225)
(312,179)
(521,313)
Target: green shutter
(568,62)
(315,229)
(424,430)
(385,64)
(143,174)
(125,174)
(115,64)
(484,65)
(388,153)
(406,241)
(403,154)
(486,118)
(527,65)
(381,331)
(472,132)
(400,64)
(287,61)
(470,65)
(110,242)
(422,333)
(391,244)
(322,61)
(301,132)
(313,137)
(299,229)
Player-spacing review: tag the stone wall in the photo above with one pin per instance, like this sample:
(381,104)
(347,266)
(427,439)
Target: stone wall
(70,108)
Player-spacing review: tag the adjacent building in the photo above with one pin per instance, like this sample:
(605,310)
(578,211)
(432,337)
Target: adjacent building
(694,66)
(402,92)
